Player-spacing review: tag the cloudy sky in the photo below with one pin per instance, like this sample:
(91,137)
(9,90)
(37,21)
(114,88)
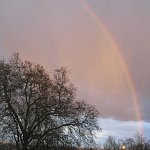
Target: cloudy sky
(104,43)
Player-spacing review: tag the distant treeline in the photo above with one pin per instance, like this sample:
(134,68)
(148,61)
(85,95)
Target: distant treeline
(10,146)
(137,142)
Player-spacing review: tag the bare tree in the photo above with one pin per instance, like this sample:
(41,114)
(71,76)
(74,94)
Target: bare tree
(138,142)
(39,110)
(111,143)
(130,144)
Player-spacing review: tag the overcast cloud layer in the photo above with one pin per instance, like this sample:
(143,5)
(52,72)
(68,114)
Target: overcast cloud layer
(61,33)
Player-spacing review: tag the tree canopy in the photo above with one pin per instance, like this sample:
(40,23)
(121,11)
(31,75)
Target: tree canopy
(39,109)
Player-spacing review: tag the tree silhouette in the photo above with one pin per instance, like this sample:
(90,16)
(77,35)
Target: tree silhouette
(111,143)
(138,142)
(41,110)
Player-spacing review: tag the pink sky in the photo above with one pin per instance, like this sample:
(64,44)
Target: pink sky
(62,33)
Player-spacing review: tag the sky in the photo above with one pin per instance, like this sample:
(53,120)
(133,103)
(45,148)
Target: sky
(105,44)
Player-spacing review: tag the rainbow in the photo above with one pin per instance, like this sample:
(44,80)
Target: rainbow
(125,68)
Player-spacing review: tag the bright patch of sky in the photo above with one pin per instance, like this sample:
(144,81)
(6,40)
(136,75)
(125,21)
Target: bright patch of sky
(120,129)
